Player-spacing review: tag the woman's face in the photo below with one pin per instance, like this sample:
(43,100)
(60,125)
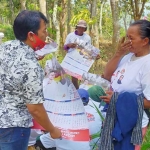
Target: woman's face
(133,34)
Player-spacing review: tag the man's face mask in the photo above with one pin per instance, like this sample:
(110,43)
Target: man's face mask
(39,44)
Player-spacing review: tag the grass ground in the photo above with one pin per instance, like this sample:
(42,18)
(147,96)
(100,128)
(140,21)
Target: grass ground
(146,141)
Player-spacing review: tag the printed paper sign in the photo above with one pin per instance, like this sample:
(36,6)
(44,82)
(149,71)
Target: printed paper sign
(89,79)
(80,59)
(37,125)
(63,104)
(48,48)
(76,135)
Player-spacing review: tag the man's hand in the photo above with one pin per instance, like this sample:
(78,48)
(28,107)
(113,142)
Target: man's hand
(71,45)
(56,133)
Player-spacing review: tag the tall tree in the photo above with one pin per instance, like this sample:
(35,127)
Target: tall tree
(102,2)
(23,4)
(116,26)
(62,15)
(43,6)
(134,8)
(68,16)
(94,29)
(137,7)
(56,21)
(11,4)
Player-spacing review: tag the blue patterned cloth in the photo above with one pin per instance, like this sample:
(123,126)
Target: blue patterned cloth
(123,124)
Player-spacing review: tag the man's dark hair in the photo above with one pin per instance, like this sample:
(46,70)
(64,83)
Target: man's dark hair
(27,21)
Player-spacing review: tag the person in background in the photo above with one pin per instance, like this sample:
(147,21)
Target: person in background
(135,66)
(91,104)
(45,142)
(70,44)
(79,33)
(32,139)
(21,78)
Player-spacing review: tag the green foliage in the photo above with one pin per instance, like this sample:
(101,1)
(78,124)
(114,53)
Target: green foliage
(97,135)
(50,11)
(8,32)
(5,10)
(122,32)
(146,146)
(80,5)
(60,58)
(59,9)
(82,15)
(148,17)
(52,32)
(32,6)
(43,61)
(107,22)
(98,111)
(146,142)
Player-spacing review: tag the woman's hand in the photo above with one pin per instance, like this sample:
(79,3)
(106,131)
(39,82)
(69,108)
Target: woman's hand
(108,96)
(123,46)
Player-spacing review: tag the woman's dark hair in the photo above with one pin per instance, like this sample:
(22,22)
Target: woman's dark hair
(144,26)
(27,21)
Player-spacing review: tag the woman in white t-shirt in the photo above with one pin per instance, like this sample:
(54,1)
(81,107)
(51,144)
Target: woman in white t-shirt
(131,72)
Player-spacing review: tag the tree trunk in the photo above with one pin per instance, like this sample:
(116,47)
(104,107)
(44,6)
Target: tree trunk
(51,28)
(137,7)
(43,6)
(68,16)
(94,29)
(116,26)
(12,11)
(23,4)
(56,22)
(124,20)
(100,19)
(62,21)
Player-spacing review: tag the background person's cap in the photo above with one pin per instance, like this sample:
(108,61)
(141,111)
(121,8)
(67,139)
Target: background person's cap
(84,96)
(82,23)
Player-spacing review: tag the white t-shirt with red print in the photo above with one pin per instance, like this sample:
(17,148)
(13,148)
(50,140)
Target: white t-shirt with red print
(133,76)
(94,120)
